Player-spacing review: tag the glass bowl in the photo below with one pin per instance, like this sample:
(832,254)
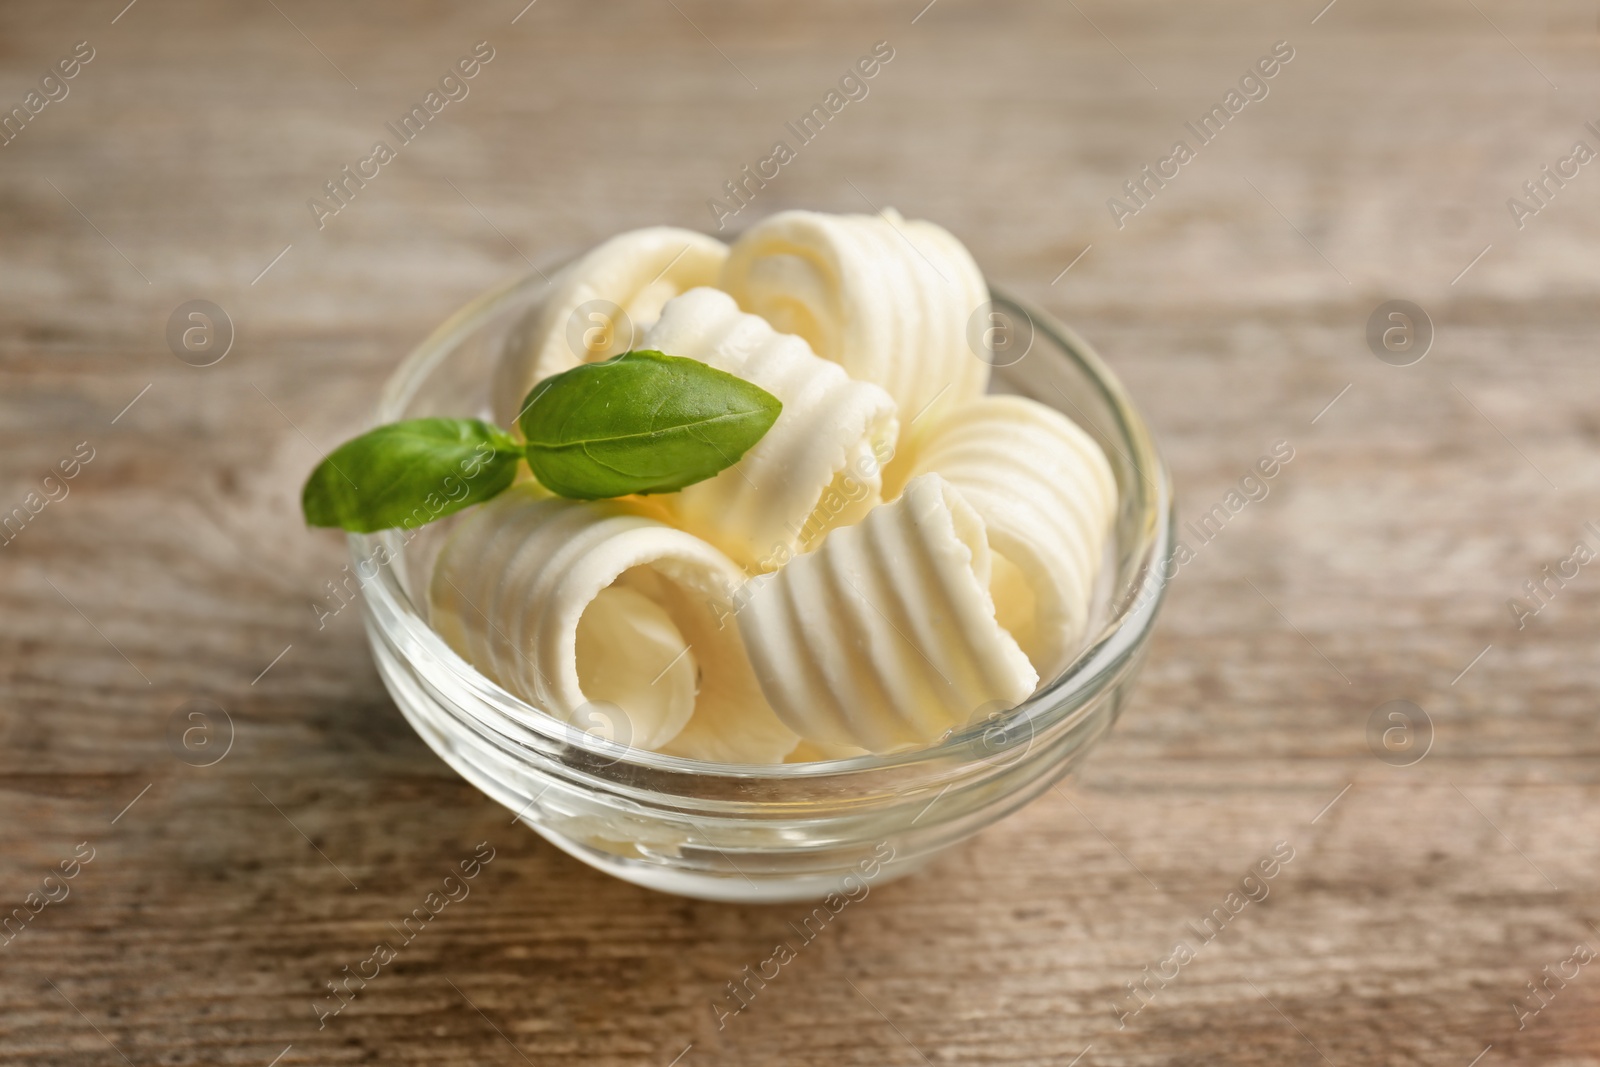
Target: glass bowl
(767,833)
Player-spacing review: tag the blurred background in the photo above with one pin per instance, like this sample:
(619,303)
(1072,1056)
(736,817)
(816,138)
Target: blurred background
(1424,544)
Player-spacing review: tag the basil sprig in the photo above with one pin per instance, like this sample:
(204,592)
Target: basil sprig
(408,473)
(641,422)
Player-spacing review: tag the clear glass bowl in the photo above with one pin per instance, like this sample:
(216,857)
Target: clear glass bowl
(765,833)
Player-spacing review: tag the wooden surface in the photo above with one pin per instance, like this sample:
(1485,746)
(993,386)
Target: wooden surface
(216,907)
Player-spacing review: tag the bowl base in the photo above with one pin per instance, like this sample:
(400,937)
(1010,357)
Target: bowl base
(738,889)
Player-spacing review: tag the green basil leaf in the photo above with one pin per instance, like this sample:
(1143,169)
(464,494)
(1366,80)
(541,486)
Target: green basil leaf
(409,473)
(641,422)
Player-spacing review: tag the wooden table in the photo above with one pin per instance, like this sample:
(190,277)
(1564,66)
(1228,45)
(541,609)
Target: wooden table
(1420,901)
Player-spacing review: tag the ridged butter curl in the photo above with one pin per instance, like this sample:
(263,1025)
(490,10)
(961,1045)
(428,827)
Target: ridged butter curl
(885,636)
(595,611)
(637,271)
(1047,498)
(888,299)
(819,466)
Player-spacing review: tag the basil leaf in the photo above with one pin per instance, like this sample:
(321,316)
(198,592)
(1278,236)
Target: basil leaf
(641,422)
(409,473)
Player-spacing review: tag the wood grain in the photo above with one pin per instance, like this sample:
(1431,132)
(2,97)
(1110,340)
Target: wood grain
(1416,907)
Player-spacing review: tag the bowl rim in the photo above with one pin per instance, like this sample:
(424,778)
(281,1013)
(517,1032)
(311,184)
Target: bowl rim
(1145,501)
